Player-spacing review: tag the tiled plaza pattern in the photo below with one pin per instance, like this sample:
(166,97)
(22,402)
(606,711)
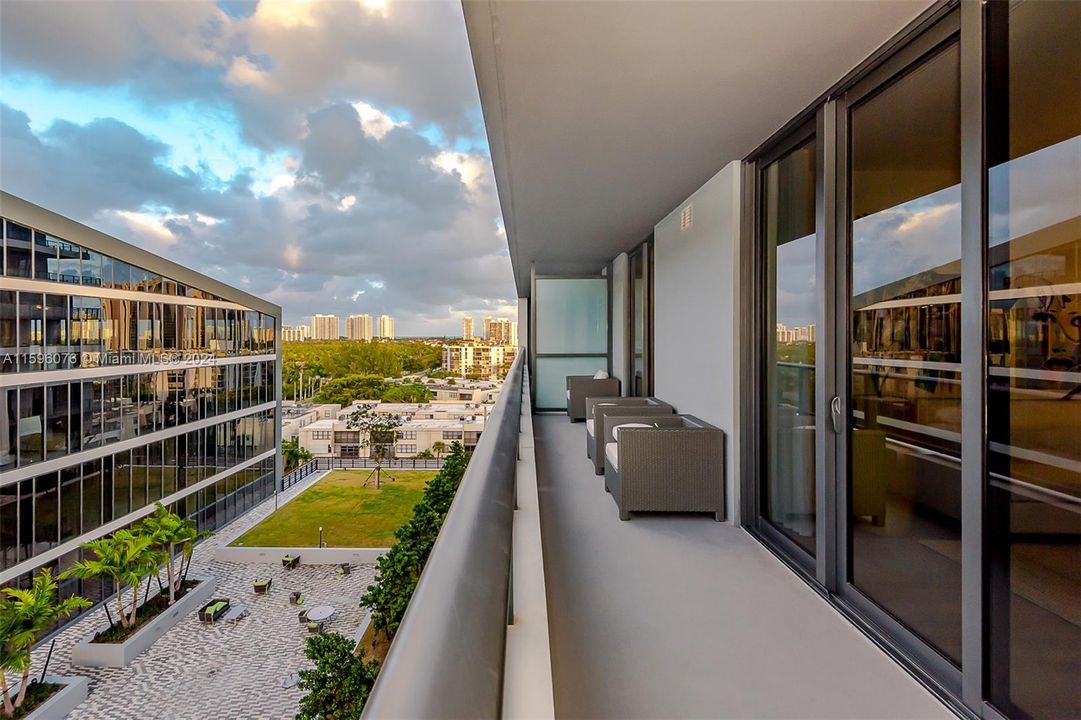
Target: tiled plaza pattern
(225,670)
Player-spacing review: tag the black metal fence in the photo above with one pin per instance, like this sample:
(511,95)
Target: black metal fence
(321,464)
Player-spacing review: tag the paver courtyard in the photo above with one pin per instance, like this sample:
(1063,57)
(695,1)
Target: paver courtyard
(224,670)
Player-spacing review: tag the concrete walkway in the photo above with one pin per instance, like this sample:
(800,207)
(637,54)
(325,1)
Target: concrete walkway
(678,616)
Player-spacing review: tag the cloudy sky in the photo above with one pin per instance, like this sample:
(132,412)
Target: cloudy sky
(329,156)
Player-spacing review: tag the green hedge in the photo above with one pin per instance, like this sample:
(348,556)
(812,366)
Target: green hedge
(400,568)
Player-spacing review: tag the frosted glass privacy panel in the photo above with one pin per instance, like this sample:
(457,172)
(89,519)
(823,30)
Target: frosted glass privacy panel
(552,375)
(572,315)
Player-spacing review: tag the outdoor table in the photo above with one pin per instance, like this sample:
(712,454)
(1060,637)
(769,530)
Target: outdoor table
(320,613)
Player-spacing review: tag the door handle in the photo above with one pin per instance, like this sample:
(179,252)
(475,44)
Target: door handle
(835,413)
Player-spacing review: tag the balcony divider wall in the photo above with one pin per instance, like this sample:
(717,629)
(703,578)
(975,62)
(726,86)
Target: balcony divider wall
(570,333)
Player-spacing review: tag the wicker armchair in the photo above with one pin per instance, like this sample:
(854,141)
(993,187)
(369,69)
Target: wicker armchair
(610,411)
(677,466)
(579,387)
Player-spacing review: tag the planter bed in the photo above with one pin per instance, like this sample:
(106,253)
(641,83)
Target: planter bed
(96,652)
(53,698)
(305,556)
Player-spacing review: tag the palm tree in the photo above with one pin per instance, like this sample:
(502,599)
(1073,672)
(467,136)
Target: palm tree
(24,615)
(125,558)
(293,454)
(169,532)
(439,448)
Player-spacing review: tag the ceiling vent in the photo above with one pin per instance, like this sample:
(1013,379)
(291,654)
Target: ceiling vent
(686,218)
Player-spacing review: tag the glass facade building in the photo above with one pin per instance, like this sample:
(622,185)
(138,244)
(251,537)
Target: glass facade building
(124,380)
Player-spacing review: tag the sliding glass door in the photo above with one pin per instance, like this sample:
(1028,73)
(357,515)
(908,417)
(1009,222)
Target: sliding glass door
(641,335)
(1034,359)
(914,373)
(902,419)
(789,249)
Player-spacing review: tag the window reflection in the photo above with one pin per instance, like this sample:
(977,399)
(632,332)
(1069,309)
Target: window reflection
(788,226)
(904,439)
(1034,361)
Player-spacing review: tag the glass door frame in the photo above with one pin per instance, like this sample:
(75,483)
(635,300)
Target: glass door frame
(761,285)
(937,671)
(642,254)
(947,21)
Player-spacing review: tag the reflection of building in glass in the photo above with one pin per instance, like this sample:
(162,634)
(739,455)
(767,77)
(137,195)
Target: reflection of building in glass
(786,334)
(127,380)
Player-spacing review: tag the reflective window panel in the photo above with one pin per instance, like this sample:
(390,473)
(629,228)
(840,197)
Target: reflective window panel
(788,228)
(1034,359)
(904,484)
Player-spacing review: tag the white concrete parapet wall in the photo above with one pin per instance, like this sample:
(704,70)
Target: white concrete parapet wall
(527,672)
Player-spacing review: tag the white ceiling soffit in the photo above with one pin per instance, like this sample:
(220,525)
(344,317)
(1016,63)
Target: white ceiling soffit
(603,116)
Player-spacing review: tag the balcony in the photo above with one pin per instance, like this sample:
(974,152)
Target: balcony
(663,616)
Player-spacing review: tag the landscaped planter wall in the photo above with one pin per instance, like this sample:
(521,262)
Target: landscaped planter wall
(91,654)
(63,702)
(308,555)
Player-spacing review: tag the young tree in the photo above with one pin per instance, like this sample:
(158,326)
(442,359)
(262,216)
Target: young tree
(439,448)
(425,454)
(25,615)
(125,558)
(378,433)
(339,684)
(169,532)
(293,455)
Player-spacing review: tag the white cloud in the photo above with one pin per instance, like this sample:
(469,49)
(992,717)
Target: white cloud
(375,122)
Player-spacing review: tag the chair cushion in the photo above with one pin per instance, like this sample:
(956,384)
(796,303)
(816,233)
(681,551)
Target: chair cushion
(616,428)
(611,455)
(600,375)
(589,426)
(568,394)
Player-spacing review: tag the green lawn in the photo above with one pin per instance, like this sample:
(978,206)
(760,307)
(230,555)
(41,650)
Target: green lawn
(350,513)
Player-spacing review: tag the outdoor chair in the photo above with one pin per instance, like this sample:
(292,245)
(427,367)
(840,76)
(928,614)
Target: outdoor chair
(302,616)
(214,609)
(315,627)
(579,387)
(675,466)
(599,409)
(343,569)
(262,587)
(290,562)
(295,598)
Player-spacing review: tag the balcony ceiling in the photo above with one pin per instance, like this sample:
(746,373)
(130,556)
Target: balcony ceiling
(603,116)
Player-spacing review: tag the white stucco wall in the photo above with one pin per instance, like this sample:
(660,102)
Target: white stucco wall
(620,321)
(695,312)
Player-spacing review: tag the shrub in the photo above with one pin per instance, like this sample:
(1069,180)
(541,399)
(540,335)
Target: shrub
(338,686)
(400,568)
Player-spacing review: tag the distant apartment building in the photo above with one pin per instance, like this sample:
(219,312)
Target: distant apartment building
(325,327)
(804,333)
(127,380)
(423,425)
(358,327)
(467,328)
(500,331)
(385,327)
(490,362)
(296,416)
(296,333)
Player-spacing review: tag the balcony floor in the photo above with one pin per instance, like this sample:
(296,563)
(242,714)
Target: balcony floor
(678,616)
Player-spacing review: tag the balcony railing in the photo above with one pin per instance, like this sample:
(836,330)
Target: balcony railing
(447,658)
